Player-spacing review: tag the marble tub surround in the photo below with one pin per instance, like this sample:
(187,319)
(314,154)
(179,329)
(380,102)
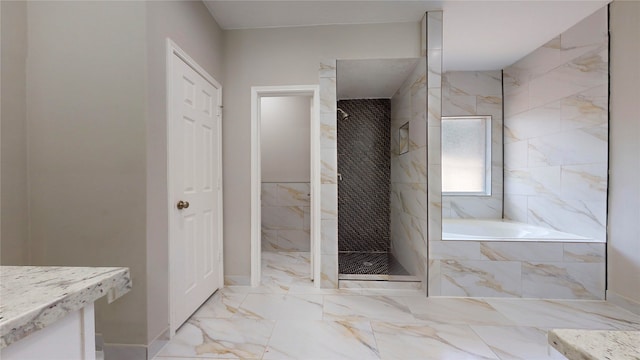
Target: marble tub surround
(258,323)
(285,211)
(556,132)
(466,93)
(34,297)
(552,270)
(596,344)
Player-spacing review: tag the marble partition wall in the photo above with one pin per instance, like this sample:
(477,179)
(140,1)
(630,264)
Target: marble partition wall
(285,217)
(556,132)
(467,93)
(432,28)
(409,173)
(329,176)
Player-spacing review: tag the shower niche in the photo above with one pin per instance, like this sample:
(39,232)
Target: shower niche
(381,167)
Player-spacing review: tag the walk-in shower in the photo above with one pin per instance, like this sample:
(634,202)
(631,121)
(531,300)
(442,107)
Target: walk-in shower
(364,189)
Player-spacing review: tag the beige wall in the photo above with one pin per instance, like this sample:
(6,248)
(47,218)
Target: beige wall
(14,234)
(283,56)
(624,193)
(191,27)
(86,129)
(285,143)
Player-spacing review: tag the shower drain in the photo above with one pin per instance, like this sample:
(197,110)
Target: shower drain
(367,263)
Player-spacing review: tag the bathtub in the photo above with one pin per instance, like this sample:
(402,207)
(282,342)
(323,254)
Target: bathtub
(503,230)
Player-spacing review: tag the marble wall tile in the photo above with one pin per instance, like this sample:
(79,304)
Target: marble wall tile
(417,134)
(481,278)
(293,194)
(563,280)
(533,181)
(477,93)
(455,250)
(285,215)
(327,68)
(521,251)
(434,284)
(269,194)
(329,166)
(413,199)
(282,217)
(328,131)
(434,69)
(329,271)
(582,73)
(584,252)
(579,217)
(329,201)
(329,235)
(475,83)
(586,109)
(306,222)
(434,30)
(269,239)
(585,182)
(328,101)
(329,189)
(294,240)
(537,122)
(515,208)
(476,208)
(461,105)
(516,154)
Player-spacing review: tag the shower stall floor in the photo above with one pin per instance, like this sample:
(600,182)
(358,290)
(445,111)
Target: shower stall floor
(369,263)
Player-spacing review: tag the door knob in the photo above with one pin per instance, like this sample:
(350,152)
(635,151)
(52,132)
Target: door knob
(182,205)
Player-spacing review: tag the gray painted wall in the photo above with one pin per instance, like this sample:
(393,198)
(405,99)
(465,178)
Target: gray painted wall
(14,234)
(624,192)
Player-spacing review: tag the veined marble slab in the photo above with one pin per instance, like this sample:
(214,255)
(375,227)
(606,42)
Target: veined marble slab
(596,344)
(34,297)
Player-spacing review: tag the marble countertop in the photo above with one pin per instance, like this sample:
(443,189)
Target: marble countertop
(596,344)
(33,297)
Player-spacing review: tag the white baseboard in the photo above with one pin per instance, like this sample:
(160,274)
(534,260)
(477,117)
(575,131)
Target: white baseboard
(124,352)
(237,280)
(157,344)
(623,302)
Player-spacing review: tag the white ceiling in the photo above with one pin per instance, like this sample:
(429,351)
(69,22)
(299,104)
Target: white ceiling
(478,34)
(371,79)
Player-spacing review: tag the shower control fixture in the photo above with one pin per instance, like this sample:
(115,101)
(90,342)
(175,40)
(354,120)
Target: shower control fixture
(342,114)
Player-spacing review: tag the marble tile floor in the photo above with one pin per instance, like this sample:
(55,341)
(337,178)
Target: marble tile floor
(286,318)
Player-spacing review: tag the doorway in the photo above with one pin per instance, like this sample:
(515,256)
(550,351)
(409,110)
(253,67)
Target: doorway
(298,191)
(194,185)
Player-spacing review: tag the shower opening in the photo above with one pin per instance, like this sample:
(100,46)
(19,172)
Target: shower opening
(364,191)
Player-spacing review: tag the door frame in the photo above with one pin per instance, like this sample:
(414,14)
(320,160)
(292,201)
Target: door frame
(258,92)
(174,50)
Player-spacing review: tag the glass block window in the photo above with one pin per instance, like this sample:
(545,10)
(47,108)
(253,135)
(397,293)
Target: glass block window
(466,155)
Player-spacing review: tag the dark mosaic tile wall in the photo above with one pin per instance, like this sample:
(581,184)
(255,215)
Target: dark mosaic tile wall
(364,163)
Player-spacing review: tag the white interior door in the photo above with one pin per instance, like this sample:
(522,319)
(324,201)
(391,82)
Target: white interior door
(194,121)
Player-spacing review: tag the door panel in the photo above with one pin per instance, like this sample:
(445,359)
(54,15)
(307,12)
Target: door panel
(195,258)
